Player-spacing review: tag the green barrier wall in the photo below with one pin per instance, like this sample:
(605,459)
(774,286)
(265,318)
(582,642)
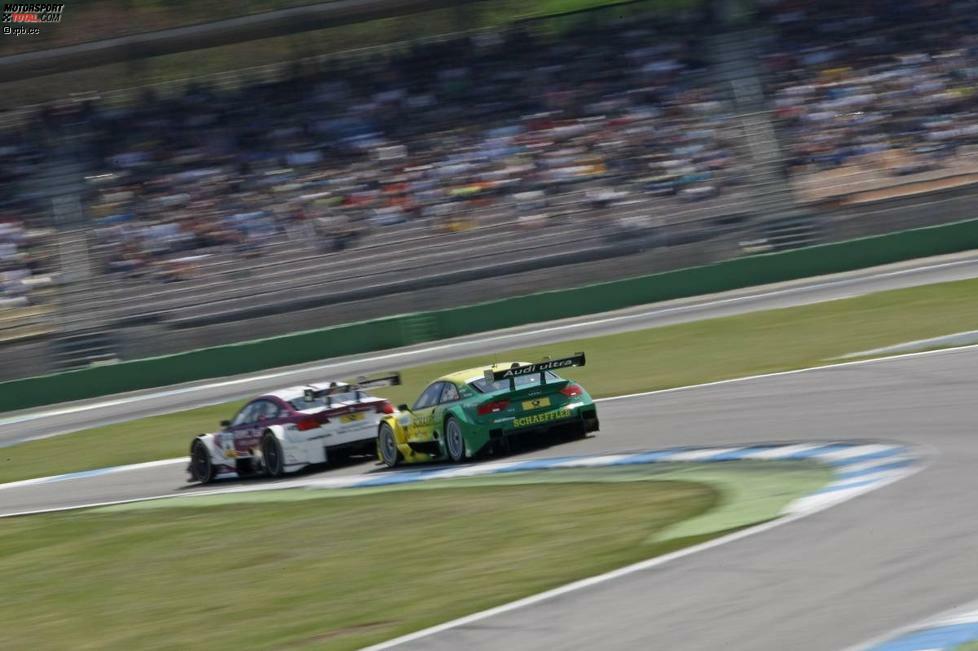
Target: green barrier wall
(401,330)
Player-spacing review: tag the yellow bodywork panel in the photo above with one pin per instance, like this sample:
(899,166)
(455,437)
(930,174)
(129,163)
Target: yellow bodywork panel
(401,437)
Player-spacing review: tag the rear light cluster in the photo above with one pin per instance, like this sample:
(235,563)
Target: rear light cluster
(572,390)
(311,422)
(492,407)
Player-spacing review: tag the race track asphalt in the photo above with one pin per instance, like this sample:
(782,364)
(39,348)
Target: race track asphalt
(822,583)
(825,582)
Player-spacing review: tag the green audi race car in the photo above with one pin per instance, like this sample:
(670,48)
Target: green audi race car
(480,410)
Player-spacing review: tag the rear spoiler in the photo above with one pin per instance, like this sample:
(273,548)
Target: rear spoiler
(541,367)
(362,382)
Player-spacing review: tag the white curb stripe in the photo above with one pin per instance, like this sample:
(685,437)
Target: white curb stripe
(841,455)
(594,462)
(965,615)
(875,463)
(698,455)
(782,452)
(861,481)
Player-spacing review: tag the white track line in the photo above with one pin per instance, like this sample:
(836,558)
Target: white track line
(807,369)
(95,472)
(489,339)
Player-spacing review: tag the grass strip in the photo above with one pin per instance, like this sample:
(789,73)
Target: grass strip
(324,574)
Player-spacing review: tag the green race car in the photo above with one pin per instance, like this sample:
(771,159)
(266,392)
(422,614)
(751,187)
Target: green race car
(479,410)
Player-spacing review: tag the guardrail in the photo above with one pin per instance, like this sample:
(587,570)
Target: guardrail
(390,332)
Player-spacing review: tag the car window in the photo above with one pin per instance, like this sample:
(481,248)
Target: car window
(265,410)
(429,397)
(245,416)
(449,393)
(522,382)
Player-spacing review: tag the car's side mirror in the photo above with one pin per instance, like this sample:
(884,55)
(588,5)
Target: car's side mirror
(403,408)
(225,424)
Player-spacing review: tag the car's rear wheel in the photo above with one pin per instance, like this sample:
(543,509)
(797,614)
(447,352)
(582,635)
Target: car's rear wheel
(454,441)
(271,452)
(577,432)
(387,446)
(201,467)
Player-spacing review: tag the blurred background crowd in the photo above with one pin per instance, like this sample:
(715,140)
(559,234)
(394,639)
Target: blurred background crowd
(503,122)
(890,93)
(428,135)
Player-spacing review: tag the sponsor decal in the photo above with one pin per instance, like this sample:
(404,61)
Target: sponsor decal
(540,367)
(539,419)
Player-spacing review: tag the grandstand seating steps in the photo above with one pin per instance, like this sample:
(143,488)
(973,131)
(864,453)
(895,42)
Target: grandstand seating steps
(735,55)
(72,350)
(223,272)
(289,279)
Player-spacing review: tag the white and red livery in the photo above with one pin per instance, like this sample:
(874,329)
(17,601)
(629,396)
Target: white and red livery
(286,430)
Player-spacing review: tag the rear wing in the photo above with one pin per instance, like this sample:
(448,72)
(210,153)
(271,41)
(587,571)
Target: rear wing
(389,380)
(362,382)
(541,367)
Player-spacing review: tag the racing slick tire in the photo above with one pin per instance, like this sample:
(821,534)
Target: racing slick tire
(454,441)
(387,446)
(272,457)
(577,433)
(201,467)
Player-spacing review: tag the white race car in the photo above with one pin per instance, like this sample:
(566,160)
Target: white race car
(287,430)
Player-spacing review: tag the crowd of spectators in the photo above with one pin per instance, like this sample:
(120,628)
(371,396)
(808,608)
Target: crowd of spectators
(439,133)
(887,87)
(431,136)
(23,262)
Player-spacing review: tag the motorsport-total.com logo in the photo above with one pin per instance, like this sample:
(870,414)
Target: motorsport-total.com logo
(27,15)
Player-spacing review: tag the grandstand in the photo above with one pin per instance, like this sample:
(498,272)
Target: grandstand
(868,100)
(454,169)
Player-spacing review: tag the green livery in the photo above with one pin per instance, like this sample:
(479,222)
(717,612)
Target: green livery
(479,410)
